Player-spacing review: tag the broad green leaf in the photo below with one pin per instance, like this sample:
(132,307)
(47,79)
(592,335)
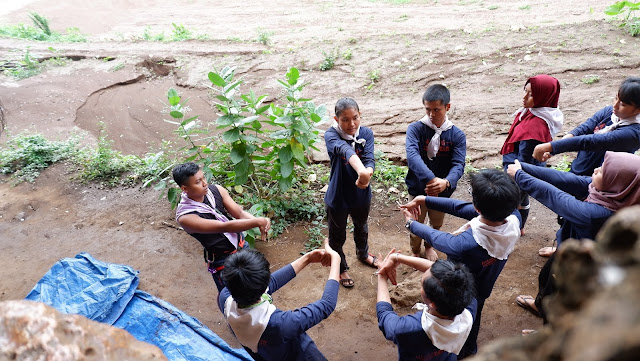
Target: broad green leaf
(285,183)
(160,185)
(172,93)
(239,190)
(173,194)
(231,135)
(286,168)
(615,9)
(238,152)
(174,100)
(292,76)
(284,120)
(249,138)
(285,154)
(298,151)
(248,119)
(222,98)
(217,79)
(208,173)
(226,120)
(262,109)
(231,86)
(281,134)
(315,117)
(176,114)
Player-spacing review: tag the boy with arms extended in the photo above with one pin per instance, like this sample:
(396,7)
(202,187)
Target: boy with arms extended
(436,151)
(205,212)
(266,332)
(485,242)
(438,331)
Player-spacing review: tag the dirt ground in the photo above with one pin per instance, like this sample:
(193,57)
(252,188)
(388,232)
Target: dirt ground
(482,50)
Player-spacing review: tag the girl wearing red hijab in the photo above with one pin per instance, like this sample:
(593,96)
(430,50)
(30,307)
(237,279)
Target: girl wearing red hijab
(536,122)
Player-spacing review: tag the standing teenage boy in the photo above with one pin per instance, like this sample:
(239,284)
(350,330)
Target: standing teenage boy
(436,151)
(208,213)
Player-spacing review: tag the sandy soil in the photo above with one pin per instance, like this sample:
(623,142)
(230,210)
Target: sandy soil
(483,55)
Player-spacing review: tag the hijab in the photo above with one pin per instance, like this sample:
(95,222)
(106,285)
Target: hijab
(620,181)
(543,120)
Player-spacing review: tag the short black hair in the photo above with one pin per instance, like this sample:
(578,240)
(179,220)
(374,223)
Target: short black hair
(451,287)
(629,91)
(246,274)
(495,195)
(436,92)
(183,171)
(344,104)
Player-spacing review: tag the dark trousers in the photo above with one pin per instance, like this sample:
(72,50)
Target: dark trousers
(523,209)
(337,219)
(216,267)
(546,286)
(470,347)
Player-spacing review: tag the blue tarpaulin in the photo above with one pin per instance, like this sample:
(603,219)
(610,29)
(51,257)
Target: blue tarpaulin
(107,293)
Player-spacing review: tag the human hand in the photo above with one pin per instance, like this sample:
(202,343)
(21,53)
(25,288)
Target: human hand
(513,168)
(364,178)
(388,267)
(436,186)
(568,135)
(317,256)
(330,254)
(430,253)
(413,207)
(265,225)
(542,152)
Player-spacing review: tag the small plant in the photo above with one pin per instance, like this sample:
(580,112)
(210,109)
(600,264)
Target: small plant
(374,76)
(329,60)
(590,79)
(27,155)
(25,68)
(180,32)
(117,67)
(564,165)
(41,22)
(468,166)
(264,37)
(525,7)
(348,54)
(57,59)
(629,20)
(493,7)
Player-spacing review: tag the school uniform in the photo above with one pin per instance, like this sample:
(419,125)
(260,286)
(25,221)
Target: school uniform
(448,163)
(284,334)
(465,248)
(592,146)
(343,198)
(414,342)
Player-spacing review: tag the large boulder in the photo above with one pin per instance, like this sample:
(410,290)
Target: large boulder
(595,315)
(34,331)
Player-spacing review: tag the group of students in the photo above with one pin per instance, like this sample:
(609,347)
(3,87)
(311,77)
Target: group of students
(604,177)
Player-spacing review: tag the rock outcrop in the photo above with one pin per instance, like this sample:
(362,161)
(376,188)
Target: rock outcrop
(34,331)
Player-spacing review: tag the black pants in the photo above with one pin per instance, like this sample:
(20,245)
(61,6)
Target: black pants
(546,286)
(470,347)
(337,219)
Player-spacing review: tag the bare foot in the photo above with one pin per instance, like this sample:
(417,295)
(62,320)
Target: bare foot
(430,254)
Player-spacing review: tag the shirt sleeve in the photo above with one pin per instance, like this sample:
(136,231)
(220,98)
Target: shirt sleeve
(576,185)
(619,140)
(299,320)
(281,277)
(414,160)
(458,159)
(588,126)
(452,245)
(368,156)
(338,146)
(222,298)
(562,203)
(525,151)
(388,321)
(455,207)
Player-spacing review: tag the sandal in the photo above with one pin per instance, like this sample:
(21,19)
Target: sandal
(374,261)
(546,251)
(346,282)
(524,302)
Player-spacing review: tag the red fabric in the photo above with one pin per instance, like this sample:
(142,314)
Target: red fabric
(545,90)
